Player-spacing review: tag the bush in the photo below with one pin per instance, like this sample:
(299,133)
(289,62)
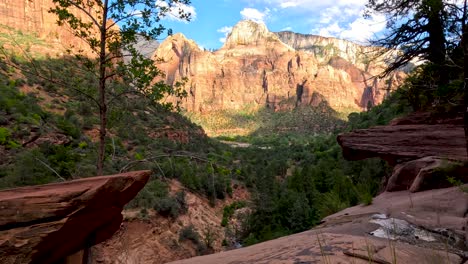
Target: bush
(155,189)
(189,233)
(172,206)
(228,211)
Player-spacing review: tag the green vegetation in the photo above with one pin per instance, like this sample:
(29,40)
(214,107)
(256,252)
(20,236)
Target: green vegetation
(228,211)
(296,176)
(263,122)
(95,24)
(190,234)
(293,167)
(172,206)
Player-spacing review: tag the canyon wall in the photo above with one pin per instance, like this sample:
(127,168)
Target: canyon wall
(32,16)
(257,68)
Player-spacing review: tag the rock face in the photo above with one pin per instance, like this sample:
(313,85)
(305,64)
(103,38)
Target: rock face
(156,239)
(424,149)
(257,68)
(350,236)
(47,223)
(33,17)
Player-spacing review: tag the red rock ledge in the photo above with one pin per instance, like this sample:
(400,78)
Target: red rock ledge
(47,223)
(418,145)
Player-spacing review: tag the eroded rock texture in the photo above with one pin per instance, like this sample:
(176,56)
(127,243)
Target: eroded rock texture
(47,223)
(257,68)
(424,148)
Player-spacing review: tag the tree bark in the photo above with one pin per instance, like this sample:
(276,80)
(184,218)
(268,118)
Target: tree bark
(102,92)
(437,48)
(465,72)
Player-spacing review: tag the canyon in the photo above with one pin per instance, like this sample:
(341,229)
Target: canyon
(419,217)
(254,69)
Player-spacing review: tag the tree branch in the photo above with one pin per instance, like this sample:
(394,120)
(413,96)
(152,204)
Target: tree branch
(50,168)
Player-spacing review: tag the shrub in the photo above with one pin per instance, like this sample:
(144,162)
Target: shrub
(171,206)
(189,233)
(228,211)
(155,189)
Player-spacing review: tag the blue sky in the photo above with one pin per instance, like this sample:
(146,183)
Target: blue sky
(213,19)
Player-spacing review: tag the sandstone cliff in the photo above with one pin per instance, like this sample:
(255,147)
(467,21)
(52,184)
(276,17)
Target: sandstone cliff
(34,17)
(257,68)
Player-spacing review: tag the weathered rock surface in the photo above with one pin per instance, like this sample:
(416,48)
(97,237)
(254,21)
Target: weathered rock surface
(349,232)
(255,68)
(34,17)
(47,223)
(397,143)
(424,148)
(156,239)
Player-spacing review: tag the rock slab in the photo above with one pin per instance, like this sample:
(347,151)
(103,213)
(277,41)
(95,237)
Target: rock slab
(425,149)
(47,223)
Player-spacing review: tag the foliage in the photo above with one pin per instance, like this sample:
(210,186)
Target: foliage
(298,179)
(396,105)
(172,206)
(422,93)
(228,211)
(266,121)
(106,28)
(419,29)
(189,233)
(294,168)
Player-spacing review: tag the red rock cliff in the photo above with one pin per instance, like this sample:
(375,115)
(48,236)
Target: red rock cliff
(256,68)
(33,16)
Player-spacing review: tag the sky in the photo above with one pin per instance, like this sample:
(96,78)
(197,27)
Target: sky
(212,20)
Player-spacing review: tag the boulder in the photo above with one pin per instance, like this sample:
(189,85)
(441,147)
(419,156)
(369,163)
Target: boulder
(425,174)
(48,223)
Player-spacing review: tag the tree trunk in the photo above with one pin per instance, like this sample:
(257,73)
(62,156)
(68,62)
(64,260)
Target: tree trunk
(437,48)
(102,92)
(465,73)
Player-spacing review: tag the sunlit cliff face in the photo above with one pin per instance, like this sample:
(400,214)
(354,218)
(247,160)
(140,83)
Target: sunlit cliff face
(257,68)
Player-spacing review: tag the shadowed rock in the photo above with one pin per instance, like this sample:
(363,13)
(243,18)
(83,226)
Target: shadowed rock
(424,148)
(47,223)
(398,143)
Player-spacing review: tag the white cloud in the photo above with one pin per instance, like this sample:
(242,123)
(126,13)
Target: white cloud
(225,30)
(330,30)
(254,14)
(173,13)
(362,30)
(288,4)
(329,14)
(332,18)
(287,29)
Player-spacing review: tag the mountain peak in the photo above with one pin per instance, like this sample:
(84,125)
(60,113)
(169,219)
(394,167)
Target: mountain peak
(247,33)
